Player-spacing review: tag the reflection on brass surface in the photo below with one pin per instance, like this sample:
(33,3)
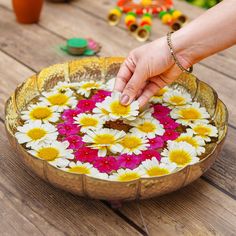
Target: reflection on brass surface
(104,69)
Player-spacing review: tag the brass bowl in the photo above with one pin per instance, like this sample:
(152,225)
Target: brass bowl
(106,68)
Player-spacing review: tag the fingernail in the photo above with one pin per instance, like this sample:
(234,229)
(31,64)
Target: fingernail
(124,99)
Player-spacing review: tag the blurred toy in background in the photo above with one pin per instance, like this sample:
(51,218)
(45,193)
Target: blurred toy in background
(81,47)
(145,10)
(204,3)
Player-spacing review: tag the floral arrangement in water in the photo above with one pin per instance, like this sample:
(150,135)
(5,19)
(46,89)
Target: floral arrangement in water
(81,128)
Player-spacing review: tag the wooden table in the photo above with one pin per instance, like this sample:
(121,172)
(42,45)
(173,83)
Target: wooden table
(29,206)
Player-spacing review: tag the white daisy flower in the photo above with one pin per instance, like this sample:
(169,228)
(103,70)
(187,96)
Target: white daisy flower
(36,133)
(110,84)
(147,128)
(189,114)
(181,154)
(64,86)
(147,113)
(40,111)
(206,131)
(104,140)
(118,111)
(134,143)
(55,153)
(60,101)
(101,112)
(157,98)
(153,168)
(176,98)
(124,175)
(88,122)
(196,141)
(85,87)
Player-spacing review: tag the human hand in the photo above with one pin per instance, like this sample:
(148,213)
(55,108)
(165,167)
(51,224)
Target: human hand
(145,71)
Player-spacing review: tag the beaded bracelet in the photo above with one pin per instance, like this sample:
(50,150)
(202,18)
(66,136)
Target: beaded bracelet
(169,42)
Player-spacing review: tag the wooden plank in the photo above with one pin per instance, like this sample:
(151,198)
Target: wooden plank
(33,206)
(198,209)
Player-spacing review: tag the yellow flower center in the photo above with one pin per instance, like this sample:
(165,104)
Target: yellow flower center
(104,111)
(157,171)
(180,157)
(202,130)
(48,153)
(147,127)
(79,170)
(190,113)
(41,113)
(104,139)
(131,142)
(118,109)
(89,85)
(177,100)
(129,176)
(88,121)
(58,99)
(36,133)
(189,140)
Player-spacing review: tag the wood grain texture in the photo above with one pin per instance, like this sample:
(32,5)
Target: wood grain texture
(32,205)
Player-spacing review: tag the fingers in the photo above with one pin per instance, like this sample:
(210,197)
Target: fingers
(124,74)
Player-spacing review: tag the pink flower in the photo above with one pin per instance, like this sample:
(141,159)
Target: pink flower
(85,105)
(86,154)
(68,128)
(170,135)
(69,114)
(156,142)
(149,154)
(128,161)
(75,141)
(168,122)
(100,95)
(106,164)
(160,111)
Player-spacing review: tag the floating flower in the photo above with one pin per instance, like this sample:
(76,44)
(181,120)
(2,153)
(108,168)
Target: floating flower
(147,128)
(60,101)
(128,161)
(146,114)
(190,114)
(196,141)
(156,143)
(149,154)
(75,141)
(68,128)
(85,105)
(40,111)
(124,175)
(206,131)
(104,140)
(88,122)
(85,87)
(36,133)
(101,112)
(55,153)
(100,95)
(132,143)
(106,164)
(170,135)
(168,122)
(110,84)
(157,98)
(176,98)
(180,153)
(64,86)
(69,114)
(160,111)
(118,111)
(86,154)
(154,168)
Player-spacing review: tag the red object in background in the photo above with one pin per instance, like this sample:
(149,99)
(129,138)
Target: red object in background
(27,11)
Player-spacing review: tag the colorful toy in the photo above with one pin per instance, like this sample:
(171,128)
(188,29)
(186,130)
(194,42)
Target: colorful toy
(146,9)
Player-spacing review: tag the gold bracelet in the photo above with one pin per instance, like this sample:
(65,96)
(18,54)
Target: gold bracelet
(190,69)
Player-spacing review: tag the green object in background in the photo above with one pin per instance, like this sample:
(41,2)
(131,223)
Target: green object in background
(77,43)
(204,3)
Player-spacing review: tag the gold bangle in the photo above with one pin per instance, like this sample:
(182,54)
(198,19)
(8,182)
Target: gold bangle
(169,42)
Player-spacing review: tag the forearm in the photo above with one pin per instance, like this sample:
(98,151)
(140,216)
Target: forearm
(212,32)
